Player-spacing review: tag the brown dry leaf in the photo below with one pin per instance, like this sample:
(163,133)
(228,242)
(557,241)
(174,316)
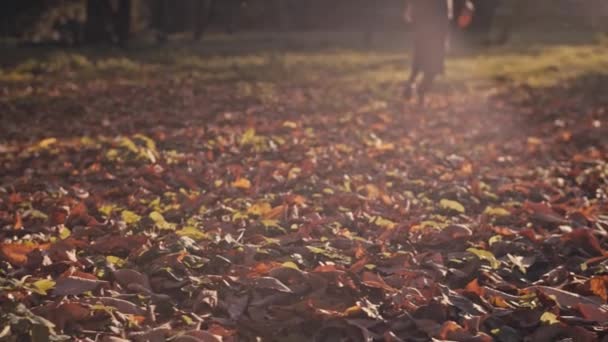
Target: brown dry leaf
(126,277)
(594,312)
(544,213)
(118,245)
(564,298)
(67,313)
(270,283)
(198,336)
(585,238)
(71,286)
(373,280)
(113,339)
(123,306)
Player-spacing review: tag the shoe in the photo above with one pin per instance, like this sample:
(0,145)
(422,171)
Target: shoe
(409,90)
(421,97)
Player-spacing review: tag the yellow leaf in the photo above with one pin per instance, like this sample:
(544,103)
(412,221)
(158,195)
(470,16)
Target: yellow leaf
(64,233)
(107,209)
(130,217)
(451,205)
(112,154)
(490,211)
(291,264)
(352,311)
(485,255)
(385,147)
(534,141)
(42,286)
(248,137)
(385,223)
(294,173)
(46,143)
(160,222)
(114,260)
(494,239)
(549,318)
(290,124)
(192,232)
(270,223)
(241,183)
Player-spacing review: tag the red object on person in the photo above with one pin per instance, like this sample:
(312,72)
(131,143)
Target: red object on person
(465,18)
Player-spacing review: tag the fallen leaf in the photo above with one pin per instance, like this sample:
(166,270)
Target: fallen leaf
(485,255)
(160,222)
(270,284)
(16,253)
(126,277)
(373,280)
(71,286)
(452,205)
(42,286)
(549,318)
(241,183)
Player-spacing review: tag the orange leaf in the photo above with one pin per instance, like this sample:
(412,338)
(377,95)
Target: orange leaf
(241,183)
(474,287)
(448,328)
(275,212)
(500,302)
(18,222)
(598,287)
(15,198)
(16,253)
(359,265)
(296,199)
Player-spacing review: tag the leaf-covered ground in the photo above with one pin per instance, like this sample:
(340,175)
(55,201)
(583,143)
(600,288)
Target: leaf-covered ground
(298,198)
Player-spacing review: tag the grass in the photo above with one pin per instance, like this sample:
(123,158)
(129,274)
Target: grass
(256,63)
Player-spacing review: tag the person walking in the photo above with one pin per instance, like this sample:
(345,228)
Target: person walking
(430,22)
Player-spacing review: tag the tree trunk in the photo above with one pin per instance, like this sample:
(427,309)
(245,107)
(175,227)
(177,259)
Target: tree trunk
(98,22)
(282,9)
(202,17)
(123,21)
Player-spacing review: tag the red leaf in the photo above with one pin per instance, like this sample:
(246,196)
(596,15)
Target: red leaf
(584,238)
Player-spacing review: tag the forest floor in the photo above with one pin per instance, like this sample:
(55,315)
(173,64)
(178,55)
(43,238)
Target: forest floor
(280,188)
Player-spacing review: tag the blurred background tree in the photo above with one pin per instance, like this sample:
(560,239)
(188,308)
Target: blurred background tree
(117,20)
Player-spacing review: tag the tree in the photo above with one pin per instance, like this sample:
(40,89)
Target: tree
(502,29)
(123,21)
(98,25)
(202,17)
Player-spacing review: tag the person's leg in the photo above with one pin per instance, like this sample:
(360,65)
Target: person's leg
(425,86)
(410,83)
(416,69)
